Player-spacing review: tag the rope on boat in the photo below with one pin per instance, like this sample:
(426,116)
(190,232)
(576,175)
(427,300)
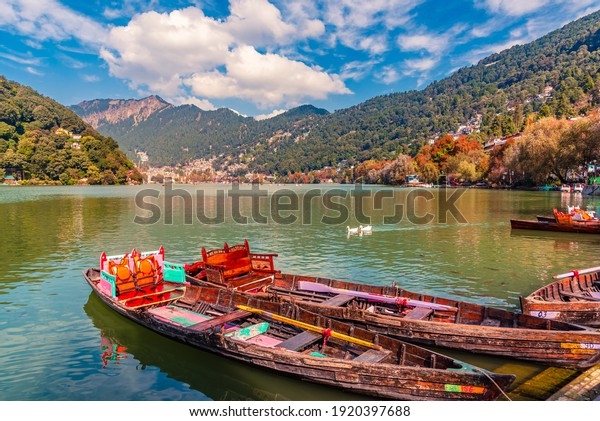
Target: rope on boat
(494,382)
(326,334)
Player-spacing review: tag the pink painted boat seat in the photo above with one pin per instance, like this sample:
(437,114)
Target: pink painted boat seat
(264,340)
(179,315)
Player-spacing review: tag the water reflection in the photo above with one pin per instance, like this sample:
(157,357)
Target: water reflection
(111,352)
(216,377)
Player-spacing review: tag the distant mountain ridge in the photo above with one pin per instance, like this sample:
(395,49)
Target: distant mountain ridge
(556,75)
(100,112)
(176,134)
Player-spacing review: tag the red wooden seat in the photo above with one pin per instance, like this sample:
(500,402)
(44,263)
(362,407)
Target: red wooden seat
(236,262)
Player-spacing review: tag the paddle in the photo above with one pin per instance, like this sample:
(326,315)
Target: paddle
(580,296)
(579,272)
(316,287)
(310,327)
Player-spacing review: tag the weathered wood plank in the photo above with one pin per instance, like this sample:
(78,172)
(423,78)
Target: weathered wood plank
(301,340)
(220,320)
(418,313)
(372,356)
(337,300)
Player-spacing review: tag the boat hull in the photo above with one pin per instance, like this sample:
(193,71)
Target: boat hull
(472,328)
(380,380)
(575,227)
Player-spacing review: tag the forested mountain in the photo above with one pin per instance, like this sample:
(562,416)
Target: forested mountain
(49,143)
(171,135)
(556,75)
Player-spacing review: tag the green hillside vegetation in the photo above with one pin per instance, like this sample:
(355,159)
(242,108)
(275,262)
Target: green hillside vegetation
(505,89)
(50,144)
(179,134)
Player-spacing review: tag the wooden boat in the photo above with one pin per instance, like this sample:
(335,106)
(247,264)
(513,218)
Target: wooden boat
(419,318)
(294,341)
(574,227)
(545,218)
(576,220)
(574,297)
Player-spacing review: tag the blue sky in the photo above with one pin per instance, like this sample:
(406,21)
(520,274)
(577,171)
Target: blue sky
(260,57)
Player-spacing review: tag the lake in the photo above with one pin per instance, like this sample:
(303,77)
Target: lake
(59,342)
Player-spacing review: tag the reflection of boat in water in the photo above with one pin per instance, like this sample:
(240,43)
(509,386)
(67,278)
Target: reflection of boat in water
(214,376)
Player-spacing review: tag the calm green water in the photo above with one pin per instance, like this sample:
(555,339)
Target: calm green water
(59,342)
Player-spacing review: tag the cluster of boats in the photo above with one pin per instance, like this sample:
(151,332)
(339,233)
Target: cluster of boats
(365,339)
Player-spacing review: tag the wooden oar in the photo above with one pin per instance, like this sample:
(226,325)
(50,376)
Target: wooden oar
(579,296)
(580,272)
(310,327)
(316,287)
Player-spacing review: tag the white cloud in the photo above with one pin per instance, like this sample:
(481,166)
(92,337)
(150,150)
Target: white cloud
(21,59)
(420,65)
(265,79)
(44,20)
(431,46)
(33,71)
(357,70)
(354,22)
(512,7)
(91,78)
(432,43)
(203,104)
(272,114)
(258,22)
(170,52)
(71,62)
(388,75)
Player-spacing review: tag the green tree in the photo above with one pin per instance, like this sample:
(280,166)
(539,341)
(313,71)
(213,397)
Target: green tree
(430,173)
(540,153)
(7,131)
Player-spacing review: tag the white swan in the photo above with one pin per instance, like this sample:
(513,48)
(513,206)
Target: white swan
(368,228)
(352,230)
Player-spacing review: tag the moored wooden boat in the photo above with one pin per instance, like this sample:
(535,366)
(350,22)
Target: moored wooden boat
(575,220)
(592,227)
(429,320)
(573,297)
(294,341)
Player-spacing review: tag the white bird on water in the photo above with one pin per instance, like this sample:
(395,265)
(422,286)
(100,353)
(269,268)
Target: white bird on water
(368,228)
(352,230)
